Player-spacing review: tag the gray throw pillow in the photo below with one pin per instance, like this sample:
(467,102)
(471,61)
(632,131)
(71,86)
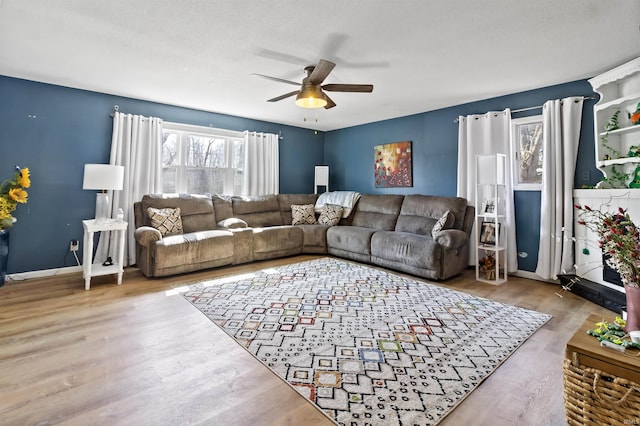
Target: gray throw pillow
(303,214)
(167,221)
(330,215)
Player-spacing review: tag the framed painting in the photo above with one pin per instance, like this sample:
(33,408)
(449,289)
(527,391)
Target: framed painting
(392,165)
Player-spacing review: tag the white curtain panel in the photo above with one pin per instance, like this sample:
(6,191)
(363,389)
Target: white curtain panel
(136,144)
(483,135)
(561,135)
(261,164)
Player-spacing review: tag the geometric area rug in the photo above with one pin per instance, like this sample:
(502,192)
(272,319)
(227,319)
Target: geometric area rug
(366,346)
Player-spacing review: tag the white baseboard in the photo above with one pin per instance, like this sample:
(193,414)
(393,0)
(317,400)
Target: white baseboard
(532,276)
(43,273)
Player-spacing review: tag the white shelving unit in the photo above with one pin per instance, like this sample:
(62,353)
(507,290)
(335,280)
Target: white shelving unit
(619,90)
(491,232)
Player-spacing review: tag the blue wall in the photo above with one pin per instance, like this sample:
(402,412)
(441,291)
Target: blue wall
(349,154)
(55,130)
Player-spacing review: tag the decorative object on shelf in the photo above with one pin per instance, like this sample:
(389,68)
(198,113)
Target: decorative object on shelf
(619,238)
(488,206)
(635,116)
(634,151)
(613,123)
(635,182)
(103,177)
(615,179)
(392,165)
(12,193)
(487,266)
(488,233)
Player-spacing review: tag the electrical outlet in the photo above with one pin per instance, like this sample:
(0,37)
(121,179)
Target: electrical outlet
(73,245)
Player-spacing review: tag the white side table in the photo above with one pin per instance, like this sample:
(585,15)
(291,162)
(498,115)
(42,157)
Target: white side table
(90,269)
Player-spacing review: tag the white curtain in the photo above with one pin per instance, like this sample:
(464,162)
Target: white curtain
(561,135)
(261,164)
(136,144)
(483,135)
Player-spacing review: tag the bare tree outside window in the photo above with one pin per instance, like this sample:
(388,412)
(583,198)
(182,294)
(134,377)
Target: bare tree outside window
(527,143)
(201,164)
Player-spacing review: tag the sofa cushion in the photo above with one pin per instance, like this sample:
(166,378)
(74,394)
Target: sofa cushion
(196,210)
(378,211)
(330,215)
(258,211)
(167,221)
(277,241)
(193,248)
(354,239)
(406,248)
(421,212)
(304,214)
(443,223)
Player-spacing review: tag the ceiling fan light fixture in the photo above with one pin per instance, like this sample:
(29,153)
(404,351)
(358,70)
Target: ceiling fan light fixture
(311,97)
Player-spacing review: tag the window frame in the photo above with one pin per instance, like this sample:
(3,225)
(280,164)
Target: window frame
(182,169)
(515,149)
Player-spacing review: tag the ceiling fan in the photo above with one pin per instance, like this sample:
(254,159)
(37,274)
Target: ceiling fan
(311,93)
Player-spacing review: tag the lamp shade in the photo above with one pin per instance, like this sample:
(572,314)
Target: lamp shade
(311,97)
(103,177)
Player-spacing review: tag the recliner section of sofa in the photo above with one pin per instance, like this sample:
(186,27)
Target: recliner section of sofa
(392,231)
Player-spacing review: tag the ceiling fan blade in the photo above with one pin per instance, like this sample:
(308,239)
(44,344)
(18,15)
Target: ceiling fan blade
(362,88)
(321,71)
(330,103)
(281,80)
(285,96)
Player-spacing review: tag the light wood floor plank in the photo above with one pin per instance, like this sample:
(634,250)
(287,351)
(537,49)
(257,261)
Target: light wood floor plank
(140,354)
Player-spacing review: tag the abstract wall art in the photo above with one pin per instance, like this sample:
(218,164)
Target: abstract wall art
(392,165)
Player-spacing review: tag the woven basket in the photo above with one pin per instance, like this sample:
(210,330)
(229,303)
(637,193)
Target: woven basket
(594,397)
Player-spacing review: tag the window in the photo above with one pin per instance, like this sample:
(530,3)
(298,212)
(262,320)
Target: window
(199,160)
(526,140)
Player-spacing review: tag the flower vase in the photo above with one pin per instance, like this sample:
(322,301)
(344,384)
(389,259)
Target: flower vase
(4,254)
(633,308)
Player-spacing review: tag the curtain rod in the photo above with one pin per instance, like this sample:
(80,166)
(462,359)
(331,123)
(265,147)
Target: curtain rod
(537,107)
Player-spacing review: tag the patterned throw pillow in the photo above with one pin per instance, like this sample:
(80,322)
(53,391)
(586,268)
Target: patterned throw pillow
(167,221)
(330,215)
(302,214)
(444,222)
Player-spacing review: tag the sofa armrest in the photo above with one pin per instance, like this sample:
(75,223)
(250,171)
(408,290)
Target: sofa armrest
(145,235)
(452,238)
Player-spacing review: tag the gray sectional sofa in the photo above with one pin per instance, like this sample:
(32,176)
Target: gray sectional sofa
(393,231)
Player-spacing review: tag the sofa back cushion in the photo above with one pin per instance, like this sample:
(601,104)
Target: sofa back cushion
(420,213)
(378,211)
(258,211)
(286,200)
(196,211)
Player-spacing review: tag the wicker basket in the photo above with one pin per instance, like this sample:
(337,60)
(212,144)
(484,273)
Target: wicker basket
(594,397)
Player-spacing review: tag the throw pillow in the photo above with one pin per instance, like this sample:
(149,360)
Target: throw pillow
(443,223)
(302,214)
(330,215)
(167,221)
(232,222)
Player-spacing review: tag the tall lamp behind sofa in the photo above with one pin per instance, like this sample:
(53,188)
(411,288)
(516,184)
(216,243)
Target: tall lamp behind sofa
(321,178)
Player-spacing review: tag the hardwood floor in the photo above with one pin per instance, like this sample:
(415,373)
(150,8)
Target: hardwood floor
(140,354)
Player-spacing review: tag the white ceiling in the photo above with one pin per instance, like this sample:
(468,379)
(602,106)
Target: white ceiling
(420,55)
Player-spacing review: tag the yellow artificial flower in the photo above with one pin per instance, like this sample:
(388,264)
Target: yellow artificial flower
(18,195)
(24,178)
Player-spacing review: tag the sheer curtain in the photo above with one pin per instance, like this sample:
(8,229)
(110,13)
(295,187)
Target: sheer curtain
(261,164)
(136,144)
(483,135)
(561,135)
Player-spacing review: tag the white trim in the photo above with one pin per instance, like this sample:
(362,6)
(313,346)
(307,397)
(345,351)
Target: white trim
(192,128)
(43,273)
(532,276)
